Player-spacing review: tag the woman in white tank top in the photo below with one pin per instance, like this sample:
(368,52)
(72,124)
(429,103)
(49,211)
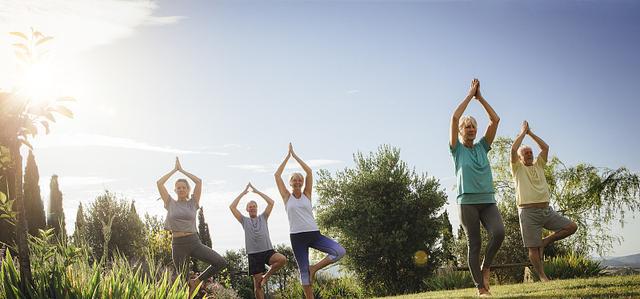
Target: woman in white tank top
(304,232)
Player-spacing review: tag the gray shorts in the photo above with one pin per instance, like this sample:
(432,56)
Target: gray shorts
(532,220)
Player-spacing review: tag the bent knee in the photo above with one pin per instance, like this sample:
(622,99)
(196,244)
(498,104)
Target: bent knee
(572,228)
(340,253)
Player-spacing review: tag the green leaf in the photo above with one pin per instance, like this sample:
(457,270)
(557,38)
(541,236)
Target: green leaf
(43,40)
(19,34)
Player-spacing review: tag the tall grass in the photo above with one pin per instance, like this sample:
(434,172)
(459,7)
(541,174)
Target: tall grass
(62,270)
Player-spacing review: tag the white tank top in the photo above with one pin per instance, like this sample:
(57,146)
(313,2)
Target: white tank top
(300,214)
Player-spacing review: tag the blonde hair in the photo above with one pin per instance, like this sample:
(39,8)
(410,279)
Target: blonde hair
(464,121)
(294,175)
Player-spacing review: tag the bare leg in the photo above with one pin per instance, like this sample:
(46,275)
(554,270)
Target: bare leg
(276,262)
(257,286)
(193,284)
(321,264)
(536,261)
(561,234)
(308,291)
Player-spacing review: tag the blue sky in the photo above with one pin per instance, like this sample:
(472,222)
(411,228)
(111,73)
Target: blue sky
(226,85)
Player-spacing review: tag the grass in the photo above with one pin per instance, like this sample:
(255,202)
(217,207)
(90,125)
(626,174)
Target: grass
(597,287)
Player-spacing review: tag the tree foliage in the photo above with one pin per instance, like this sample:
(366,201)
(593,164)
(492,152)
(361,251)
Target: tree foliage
(385,215)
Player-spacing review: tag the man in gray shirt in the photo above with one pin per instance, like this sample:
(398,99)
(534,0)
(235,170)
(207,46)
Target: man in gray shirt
(257,240)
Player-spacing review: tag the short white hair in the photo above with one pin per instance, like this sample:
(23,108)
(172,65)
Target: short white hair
(522,148)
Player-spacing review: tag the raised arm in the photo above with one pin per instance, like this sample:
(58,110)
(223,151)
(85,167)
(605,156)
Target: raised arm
(266,198)
(494,119)
(279,182)
(197,190)
(516,143)
(164,194)
(234,205)
(544,147)
(455,118)
(308,181)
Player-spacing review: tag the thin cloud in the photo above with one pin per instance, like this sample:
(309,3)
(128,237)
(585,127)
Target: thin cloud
(353,91)
(290,166)
(77,181)
(94,140)
(81,24)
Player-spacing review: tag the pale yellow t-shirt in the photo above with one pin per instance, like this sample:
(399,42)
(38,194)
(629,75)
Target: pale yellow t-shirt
(531,185)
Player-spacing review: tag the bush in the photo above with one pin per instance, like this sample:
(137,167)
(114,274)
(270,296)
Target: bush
(449,280)
(341,287)
(572,266)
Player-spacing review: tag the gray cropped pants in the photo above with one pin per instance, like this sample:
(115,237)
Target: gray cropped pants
(471,216)
(190,246)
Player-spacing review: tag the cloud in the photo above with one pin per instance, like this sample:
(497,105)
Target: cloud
(290,166)
(78,25)
(94,140)
(353,91)
(77,181)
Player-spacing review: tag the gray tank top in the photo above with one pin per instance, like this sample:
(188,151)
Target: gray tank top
(181,216)
(256,234)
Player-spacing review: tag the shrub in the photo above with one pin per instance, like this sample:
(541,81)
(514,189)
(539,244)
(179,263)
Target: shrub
(572,266)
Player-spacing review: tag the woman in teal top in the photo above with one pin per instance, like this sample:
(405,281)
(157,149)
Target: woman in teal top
(475,185)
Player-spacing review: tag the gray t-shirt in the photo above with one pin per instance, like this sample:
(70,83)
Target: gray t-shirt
(256,234)
(181,215)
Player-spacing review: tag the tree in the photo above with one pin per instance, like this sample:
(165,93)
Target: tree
(203,229)
(20,117)
(7,208)
(387,218)
(56,210)
(80,231)
(236,272)
(447,243)
(124,232)
(33,206)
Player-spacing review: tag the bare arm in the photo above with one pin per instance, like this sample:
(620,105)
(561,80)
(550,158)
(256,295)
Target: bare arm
(544,147)
(516,143)
(197,190)
(234,205)
(308,182)
(279,182)
(494,119)
(455,118)
(164,194)
(270,202)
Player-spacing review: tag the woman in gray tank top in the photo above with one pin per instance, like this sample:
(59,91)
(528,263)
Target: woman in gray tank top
(181,221)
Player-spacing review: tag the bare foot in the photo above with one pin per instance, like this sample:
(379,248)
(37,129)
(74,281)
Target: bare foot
(486,276)
(312,273)
(482,292)
(544,279)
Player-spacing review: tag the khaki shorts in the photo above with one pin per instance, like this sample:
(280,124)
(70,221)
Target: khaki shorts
(532,220)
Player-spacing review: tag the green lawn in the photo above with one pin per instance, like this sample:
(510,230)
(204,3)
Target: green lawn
(600,287)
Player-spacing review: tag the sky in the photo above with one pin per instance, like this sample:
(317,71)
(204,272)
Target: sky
(226,85)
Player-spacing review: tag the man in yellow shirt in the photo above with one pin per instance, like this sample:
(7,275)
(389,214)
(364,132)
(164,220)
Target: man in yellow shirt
(532,195)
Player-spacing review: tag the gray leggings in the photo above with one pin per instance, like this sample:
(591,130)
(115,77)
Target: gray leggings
(471,216)
(190,246)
